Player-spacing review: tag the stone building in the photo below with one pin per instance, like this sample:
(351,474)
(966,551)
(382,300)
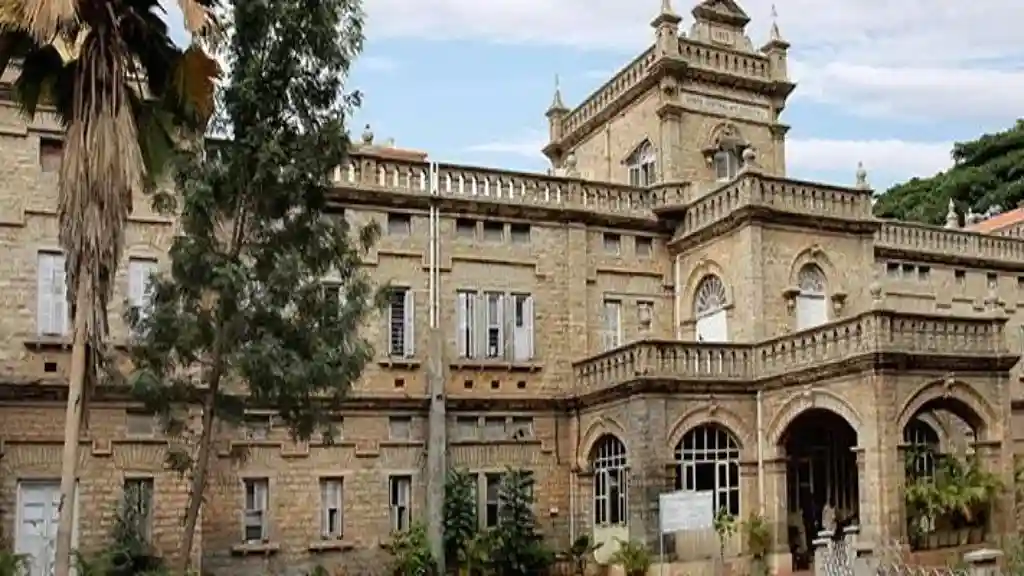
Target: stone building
(664,310)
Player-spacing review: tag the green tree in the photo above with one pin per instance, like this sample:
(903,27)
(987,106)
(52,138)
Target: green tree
(245,319)
(517,548)
(986,172)
(411,554)
(460,516)
(90,60)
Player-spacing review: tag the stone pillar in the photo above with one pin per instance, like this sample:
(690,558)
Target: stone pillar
(850,536)
(983,562)
(865,561)
(647,472)
(822,547)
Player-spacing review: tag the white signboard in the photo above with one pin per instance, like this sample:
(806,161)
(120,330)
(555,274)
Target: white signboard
(684,510)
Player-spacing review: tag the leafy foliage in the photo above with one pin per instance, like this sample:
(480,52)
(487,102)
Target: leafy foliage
(759,535)
(129,552)
(12,564)
(460,516)
(634,557)
(986,172)
(725,526)
(580,553)
(266,294)
(958,493)
(411,553)
(518,548)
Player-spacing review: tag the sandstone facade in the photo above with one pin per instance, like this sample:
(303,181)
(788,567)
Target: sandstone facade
(665,310)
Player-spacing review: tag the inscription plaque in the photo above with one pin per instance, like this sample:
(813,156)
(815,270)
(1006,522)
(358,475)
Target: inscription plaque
(726,108)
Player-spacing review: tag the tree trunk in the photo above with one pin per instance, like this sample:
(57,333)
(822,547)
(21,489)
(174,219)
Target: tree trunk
(199,472)
(72,428)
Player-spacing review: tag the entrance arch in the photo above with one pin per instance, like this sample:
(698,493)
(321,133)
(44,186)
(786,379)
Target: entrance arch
(822,490)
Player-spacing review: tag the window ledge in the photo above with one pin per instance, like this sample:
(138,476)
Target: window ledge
(48,343)
(255,549)
(406,363)
(496,364)
(330,545)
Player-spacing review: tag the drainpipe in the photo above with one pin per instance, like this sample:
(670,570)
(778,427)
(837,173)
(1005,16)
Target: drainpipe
(760,452)
(437,445)
(678,296)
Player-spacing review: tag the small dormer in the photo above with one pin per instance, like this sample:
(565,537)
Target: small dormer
(721,22)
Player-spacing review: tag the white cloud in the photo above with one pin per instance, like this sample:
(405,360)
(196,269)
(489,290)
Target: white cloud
(880,57)
(886,161)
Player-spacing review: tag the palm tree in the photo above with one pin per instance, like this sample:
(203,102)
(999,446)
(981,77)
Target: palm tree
(126,96)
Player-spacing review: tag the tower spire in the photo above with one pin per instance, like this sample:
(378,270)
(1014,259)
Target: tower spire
(775,35)
(666,15)
(556,102)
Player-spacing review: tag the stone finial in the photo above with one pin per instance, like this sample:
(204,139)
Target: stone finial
(666,15)
(862,177)
(875,289)
(971,217)
(775,35)
(749,159)
(367,136)
(952,220)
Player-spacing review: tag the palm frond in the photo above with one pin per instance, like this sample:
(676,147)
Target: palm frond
(38,78)
(45,18)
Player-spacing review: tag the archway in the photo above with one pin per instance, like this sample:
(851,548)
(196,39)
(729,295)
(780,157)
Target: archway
(949,493)
(821,478)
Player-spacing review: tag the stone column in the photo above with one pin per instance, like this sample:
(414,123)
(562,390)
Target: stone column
(983,562)
(822,548)
(647,457)
(865,561)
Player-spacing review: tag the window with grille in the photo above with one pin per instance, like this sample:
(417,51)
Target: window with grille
(138,506)
(708,459)
(255,522)
(608,460)
(400,318)
(492,499)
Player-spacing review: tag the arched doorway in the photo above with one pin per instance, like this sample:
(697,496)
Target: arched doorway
(821,478)
(949,494)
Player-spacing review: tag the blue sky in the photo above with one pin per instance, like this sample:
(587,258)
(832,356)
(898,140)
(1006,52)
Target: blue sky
(891,84)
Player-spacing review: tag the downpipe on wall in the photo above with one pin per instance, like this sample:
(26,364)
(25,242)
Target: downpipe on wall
(760,453)
(437,441)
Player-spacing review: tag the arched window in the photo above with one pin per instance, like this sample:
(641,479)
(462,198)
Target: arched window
(608,460)
(811,303)
(923,444)
(641,165)
(709,309)
(708,459)
(728,164)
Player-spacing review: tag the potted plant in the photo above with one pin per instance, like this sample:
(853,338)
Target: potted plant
(759,542)
(634,558)
(725,527)
(579,554)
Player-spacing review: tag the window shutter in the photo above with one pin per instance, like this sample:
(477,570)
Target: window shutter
(61,321)
(45,295)
(528,325)
(462,323)
(410,323)
(480,311)
(508,327)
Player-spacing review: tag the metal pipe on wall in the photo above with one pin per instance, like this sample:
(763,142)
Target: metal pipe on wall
(760,452)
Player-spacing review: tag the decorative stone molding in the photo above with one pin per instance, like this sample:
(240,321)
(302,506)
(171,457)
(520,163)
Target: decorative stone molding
(724,136)
(838,302)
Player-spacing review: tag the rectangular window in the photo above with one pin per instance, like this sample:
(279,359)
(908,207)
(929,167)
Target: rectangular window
(494,428)
(258,426)
(924,273)
(612,325)
(520,233)
(960,276)
(138,505)
(466,427)
(400,428)
(494,231)
(401,502)
(466,319)
(399,225)
(495,327)
(332,491)
(52,305)
(400,319)
(256,495)
(992,280)
(892,269)
(612,243)
(644,246)
(522,428)
(140,273)
(492,499)
(465,228)
(522,327)
(645,314)
(51,152)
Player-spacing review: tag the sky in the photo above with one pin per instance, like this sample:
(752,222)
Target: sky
(890,83)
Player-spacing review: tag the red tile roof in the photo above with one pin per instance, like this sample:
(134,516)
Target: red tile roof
(998,222)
